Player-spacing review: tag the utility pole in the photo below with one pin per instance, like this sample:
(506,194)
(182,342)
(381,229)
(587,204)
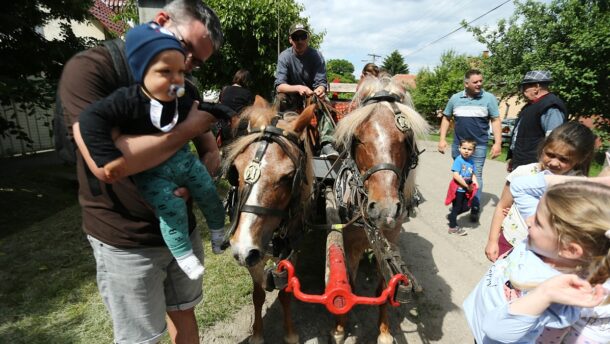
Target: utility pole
(373,58)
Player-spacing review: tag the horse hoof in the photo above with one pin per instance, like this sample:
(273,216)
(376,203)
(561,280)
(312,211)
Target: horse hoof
(256,340)
(292,339)
(385,338)
(337,337)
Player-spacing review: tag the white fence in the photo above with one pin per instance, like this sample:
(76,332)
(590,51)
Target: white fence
(37,126)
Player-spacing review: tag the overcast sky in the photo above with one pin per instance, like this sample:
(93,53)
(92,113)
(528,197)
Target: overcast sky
(356,28)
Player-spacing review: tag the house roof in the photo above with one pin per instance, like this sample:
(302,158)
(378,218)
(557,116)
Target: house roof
(104,14)
(407,79)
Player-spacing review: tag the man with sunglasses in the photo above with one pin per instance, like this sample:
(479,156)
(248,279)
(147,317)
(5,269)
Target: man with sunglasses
(301,72)
(138,278)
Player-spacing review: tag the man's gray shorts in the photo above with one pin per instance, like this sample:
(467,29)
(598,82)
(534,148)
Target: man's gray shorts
(140,285)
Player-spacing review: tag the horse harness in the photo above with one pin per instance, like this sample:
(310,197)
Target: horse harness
(350,191)
(237,201)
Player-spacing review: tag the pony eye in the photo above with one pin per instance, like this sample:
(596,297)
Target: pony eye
(287,178)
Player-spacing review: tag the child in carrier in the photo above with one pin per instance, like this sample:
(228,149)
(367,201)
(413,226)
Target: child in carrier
(154,103)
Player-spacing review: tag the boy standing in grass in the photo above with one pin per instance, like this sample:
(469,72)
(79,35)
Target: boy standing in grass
(463,185)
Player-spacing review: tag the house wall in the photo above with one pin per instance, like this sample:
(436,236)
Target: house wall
(81,29)
(509,108)
(38,125)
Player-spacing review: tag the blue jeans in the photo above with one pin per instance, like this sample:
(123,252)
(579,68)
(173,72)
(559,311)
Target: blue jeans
(478,157)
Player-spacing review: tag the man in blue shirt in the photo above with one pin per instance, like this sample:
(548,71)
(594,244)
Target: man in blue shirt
(543,113)
(473,109)
(301,72)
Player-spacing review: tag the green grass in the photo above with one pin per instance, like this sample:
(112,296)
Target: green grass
(48,292)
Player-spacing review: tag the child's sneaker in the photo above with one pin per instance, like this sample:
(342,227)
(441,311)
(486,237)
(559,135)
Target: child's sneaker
(217,237)
(190,264)
(457,231)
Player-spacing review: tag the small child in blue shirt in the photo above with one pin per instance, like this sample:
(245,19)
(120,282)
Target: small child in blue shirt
(463,185)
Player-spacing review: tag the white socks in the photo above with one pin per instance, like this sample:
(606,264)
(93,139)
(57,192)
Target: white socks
(190,264)
(217,237)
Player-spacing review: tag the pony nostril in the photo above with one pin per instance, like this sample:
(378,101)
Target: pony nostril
(372,210)
(254,256)
(398,208)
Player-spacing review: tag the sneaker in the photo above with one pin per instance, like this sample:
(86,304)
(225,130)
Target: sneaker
(457,231)
(329,152)
(217,237)
(474,216)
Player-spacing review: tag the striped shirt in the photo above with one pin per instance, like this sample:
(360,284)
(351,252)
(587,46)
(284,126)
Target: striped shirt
(472,115)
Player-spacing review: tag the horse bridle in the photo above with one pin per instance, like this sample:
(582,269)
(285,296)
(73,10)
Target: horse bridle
(402,124)
(270,134)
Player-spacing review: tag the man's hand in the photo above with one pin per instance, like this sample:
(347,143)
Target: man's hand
(198,121)
(496,150)
(442,145)
(304,90)
(320,92)
(115,170)
(183,193)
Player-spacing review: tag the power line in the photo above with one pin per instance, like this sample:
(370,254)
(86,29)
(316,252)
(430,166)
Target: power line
(459,28)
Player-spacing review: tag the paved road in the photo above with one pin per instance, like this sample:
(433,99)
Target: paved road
(447,266)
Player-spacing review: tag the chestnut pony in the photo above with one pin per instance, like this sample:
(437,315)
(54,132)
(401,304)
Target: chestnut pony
(273,169)
(379,136)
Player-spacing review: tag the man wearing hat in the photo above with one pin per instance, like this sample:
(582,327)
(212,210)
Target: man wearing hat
(543,113)
(301,72)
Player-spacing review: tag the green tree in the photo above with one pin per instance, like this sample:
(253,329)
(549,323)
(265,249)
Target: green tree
(341,70)
(395,64)
(434,87)
(571,38)
(339,66)
(251,29)
(32,64)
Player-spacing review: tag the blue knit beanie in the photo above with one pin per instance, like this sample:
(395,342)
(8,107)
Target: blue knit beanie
(143,43)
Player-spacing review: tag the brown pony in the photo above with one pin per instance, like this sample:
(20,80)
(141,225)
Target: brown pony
(273,169)
(380,137)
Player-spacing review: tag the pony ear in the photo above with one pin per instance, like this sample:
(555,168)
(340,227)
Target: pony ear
(260,102)
(304,119)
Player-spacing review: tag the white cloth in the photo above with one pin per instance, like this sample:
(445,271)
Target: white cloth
(513,225)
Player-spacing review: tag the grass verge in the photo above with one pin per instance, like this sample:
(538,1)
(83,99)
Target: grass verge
(48,292)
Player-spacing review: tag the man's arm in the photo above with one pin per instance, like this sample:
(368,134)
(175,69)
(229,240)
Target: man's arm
(496,129)
(143,152)
(320,83)
(442,143)
(551,119)
(208,151)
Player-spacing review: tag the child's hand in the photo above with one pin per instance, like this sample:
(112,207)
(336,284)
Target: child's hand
(571,290)
(115,170)
(492,250)
(505,211)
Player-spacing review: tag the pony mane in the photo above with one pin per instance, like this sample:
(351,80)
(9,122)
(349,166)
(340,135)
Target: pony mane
(348,125)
